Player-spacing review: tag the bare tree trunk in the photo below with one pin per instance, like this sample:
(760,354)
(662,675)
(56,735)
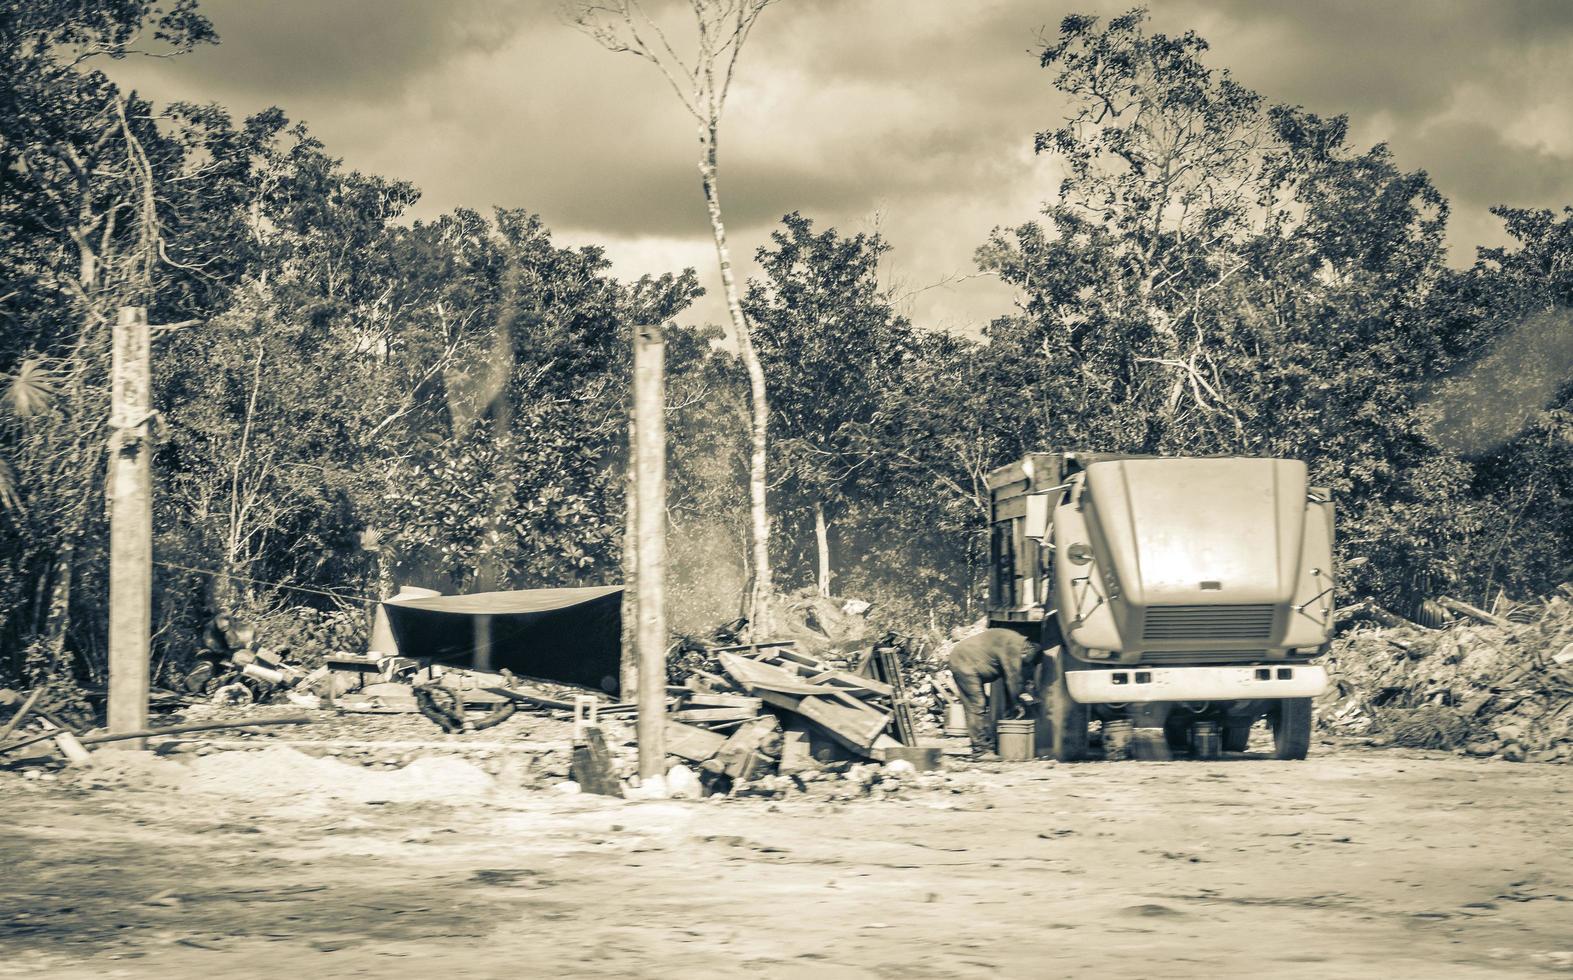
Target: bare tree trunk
(57,621)
(822,539)
(763,588)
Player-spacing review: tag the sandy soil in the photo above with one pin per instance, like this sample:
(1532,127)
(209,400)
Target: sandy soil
(1355,863)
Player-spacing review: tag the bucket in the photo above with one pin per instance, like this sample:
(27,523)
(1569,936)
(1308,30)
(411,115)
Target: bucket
(1205,740)
(1117,739)
(1018,738)
(955,720)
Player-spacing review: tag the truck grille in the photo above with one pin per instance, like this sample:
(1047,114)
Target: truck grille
(1208,623)
(1202,657)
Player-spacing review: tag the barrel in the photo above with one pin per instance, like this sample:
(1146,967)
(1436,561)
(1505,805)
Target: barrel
(1017,737)
(955,720)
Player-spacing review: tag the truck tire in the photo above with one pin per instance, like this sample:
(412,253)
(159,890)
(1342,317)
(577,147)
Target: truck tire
(1237,736)
(1067,719)
(1292,728)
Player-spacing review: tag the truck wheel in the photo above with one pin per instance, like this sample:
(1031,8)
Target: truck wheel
(1067,719)
(1292,728)
(1236,736)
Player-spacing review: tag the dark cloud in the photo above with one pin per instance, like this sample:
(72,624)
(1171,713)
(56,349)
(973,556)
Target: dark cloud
(920,110)
(1359,56)
(365,50)
(1483,170)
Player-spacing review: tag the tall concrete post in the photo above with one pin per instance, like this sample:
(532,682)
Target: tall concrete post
(130,527)
(650,483)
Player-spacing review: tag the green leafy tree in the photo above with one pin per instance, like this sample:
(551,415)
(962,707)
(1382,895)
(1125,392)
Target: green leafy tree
(827,333)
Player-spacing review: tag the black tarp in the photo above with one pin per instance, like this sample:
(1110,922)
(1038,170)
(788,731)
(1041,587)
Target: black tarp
(569,635)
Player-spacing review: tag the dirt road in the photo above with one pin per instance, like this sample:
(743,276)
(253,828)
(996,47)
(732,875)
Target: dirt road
(1356,863)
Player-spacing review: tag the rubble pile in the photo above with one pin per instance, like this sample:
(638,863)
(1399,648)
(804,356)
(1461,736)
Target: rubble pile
(772,719)
(1493,684)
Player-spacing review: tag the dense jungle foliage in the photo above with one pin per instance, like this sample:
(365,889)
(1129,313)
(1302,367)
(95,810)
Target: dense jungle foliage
(352,400)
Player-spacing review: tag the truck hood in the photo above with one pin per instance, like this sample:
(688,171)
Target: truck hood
(1198,531)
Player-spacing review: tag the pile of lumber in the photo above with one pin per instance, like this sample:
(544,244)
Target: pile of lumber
(1493,683)
(773,711)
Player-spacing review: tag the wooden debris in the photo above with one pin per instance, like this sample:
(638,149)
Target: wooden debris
(199,726)
(797,748)
(1474,612)
(757,677)
(9,697)
(743,753)
(716,714)
(855,729)
(691,743)
(723,701)
(901,708)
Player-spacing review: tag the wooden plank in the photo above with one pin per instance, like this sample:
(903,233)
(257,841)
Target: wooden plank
(901,706)
(798,658)
(1474,612)
(850,700)
(776,699)
(1006,475)
(693,744)
(840,678)
(797,748)
(756,677)
(1011,509)
(530,699)
(716,714)
(8,697)
(753,649)
(855,729)
(708,700)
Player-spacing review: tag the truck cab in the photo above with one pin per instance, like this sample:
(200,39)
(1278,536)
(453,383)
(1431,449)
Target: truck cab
(1178,595)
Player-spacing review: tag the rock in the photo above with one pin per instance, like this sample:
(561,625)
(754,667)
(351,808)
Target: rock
(899,767)
(1514,753)
(682,783)
(567,788)
(1482,748)
(654,788)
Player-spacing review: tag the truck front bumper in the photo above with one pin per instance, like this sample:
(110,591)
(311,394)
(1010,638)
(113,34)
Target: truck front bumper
(1140,685)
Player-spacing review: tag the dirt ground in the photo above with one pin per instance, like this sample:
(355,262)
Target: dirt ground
(1358,862)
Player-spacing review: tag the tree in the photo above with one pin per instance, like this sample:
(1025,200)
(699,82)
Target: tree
(1221,275)
(104,201)
(701,84)
(827,334)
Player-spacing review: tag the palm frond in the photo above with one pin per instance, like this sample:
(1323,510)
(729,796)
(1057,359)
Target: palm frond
(30,390)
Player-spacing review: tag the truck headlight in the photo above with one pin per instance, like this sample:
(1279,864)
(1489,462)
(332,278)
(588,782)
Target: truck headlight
(1079,553)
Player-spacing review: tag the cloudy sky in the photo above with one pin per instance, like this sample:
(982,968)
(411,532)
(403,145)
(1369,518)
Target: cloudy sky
(913,116)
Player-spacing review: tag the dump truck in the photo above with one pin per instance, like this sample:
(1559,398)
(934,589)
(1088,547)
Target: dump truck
(1182,596)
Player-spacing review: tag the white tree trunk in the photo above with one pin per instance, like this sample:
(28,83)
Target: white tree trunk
(822,539)
(763,589)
